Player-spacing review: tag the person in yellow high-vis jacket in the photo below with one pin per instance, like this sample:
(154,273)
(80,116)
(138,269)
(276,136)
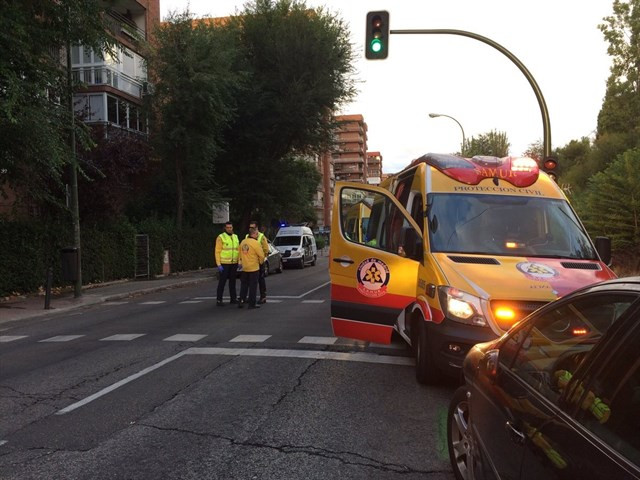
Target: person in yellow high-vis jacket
(262,240)
(251,258)
(227,261)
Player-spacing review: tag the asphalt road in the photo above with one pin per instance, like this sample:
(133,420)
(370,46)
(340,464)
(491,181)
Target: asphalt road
(168,385)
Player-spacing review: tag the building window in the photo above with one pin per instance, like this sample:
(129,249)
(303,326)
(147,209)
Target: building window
(75,54)
(112,109)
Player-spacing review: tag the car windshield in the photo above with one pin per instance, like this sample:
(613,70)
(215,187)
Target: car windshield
(287,240)
(506,225)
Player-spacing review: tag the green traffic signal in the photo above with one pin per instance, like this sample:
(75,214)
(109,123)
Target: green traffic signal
(376,45)
(377,41)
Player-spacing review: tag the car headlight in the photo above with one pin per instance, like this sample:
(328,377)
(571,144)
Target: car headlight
(461,307)
(295,254)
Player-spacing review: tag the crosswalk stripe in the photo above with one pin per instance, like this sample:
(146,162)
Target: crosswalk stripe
(312,301)
(154,302)
(204,298)
(115,303)
(184,337)
(61,338)
(192,301)
(11,338)
(318,340)
(250,338)
(124,337)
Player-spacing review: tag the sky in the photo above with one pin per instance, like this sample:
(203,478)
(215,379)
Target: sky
(556,40)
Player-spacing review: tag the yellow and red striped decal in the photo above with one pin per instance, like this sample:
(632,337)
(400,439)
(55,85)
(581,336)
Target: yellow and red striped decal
(342,293)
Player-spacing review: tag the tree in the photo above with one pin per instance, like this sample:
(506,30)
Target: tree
(300,65)
(192,63)
(34,117)
(491,143)
(612,201)
(621,107)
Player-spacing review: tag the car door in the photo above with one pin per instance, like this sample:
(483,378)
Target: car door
(595,431)
(518,415)
(373,274)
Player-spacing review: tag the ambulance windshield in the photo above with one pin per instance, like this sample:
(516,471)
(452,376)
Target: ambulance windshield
(506,225)
(287,240)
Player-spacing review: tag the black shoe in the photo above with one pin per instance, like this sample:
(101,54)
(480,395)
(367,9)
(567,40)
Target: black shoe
(251,307)
(262,300)
(233,302)
(240,304)
(219,304)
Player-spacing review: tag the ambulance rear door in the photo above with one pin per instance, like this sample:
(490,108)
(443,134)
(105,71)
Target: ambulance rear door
(374,274)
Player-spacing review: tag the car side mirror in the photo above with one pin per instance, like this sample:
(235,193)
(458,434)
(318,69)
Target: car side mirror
(603,247)
(489,365)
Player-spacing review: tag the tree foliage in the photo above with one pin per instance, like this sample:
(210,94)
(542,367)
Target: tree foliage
(491,143)
(34,113)
(612,201)
(299,64)
(195,96)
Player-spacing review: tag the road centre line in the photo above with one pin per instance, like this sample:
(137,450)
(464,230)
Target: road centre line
(122,382)
(249,352)
(303,295)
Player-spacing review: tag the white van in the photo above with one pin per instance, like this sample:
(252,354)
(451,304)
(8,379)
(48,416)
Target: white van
(297,246)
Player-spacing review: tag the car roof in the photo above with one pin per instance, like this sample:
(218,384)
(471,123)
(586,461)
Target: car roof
(627,283)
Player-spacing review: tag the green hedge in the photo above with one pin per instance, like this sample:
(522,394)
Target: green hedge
(108,250)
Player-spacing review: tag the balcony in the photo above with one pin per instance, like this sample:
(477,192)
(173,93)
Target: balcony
(127,23)
(106,76)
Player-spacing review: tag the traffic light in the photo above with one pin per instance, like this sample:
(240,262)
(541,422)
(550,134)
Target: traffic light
(376,46)
(549,165)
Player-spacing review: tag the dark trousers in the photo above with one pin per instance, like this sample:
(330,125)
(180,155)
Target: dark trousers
(250,283)
(229,273)
(261,283)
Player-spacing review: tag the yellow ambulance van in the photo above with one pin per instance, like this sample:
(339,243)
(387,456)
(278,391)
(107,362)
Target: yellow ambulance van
(454,251)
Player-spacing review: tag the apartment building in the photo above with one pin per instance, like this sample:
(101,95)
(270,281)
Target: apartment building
(374,168)
(350,156)
(116,83)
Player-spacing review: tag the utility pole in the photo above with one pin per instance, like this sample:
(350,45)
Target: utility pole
(75,210)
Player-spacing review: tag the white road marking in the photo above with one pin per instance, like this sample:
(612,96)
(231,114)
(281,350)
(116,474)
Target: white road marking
(61,338)
(115,303)
(312,301)
(184,337)
(192,301)
(273,301)
(3,442)
(204,298)
(11,338)
(319,340)
(303,295)
(122,382)
(250,338)
(249,352)
(153,302)
(305,354)
(124,337)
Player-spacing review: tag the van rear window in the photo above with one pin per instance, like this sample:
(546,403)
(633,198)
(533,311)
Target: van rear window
(293,240)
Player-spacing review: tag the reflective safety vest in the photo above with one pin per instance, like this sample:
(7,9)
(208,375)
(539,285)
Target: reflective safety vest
(260,236)
(229,253)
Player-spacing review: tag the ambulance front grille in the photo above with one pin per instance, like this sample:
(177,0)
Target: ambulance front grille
(581,266)
(476,260)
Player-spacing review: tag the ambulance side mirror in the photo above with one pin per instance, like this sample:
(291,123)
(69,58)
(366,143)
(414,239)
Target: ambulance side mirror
(603,247)
(413,246)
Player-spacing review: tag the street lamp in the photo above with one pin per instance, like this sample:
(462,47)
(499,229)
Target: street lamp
(435,115)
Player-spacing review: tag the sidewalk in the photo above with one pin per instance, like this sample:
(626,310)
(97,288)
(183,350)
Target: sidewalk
(29,306)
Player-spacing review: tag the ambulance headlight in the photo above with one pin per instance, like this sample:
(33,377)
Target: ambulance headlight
(461,307)
(296,253)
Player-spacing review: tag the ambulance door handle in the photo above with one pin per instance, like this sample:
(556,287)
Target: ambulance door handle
(343,260)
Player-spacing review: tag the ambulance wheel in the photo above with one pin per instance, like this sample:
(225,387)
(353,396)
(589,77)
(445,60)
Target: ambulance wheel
(426,371)
(302,260)
(313,263)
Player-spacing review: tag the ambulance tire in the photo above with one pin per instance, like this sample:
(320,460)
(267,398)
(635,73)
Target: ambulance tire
(426,370)
(302,260)
(313,264)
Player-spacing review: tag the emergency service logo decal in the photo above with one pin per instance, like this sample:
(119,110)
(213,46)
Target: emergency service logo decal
(537,271)
(373,277)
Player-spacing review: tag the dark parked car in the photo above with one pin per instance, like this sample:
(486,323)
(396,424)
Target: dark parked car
(273,262)
(558,396)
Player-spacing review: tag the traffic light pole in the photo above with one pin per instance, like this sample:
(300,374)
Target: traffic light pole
(546,124)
